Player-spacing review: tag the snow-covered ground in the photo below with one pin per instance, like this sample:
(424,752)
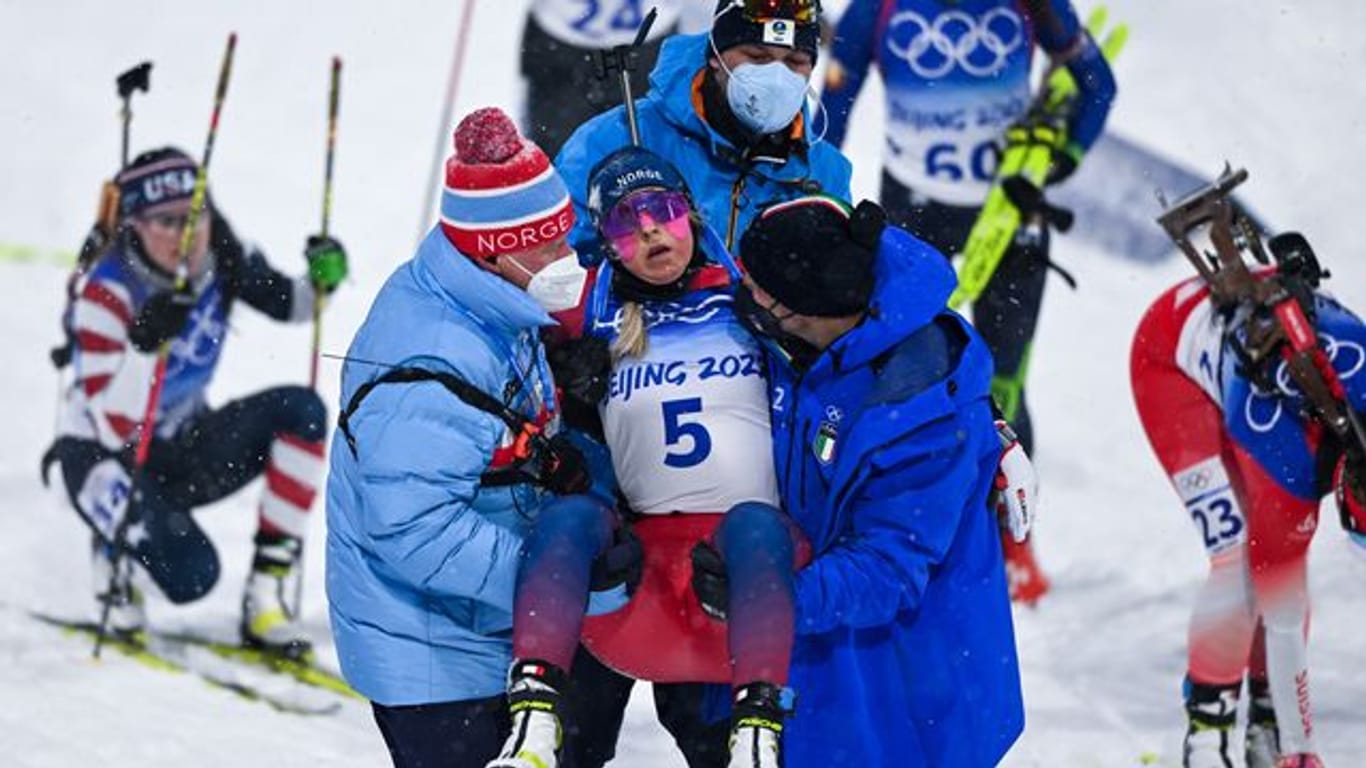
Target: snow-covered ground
(1272,86)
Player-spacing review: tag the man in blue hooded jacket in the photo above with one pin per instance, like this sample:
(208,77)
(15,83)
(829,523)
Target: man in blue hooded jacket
(728,110)
(885,451)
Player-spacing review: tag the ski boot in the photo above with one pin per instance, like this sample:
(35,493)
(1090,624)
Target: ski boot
(756,730)
(1027,581)
(534,702)
(1263,742)
(269,622)
(127,615)
(1211,711)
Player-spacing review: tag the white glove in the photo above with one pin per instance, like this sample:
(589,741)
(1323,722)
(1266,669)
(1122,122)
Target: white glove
(1017,487)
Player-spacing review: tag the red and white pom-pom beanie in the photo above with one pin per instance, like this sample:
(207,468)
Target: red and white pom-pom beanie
(502,194)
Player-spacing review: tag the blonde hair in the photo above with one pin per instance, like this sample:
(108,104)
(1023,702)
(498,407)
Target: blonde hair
(631,337)
(632,340)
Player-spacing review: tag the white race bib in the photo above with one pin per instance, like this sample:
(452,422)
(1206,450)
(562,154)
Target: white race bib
(104,496)
(1208,495)
(688,426)
(948,148)
(602,23)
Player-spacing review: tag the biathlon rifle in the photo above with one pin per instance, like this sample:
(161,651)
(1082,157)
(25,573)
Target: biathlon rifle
(101,234)
(1278,304)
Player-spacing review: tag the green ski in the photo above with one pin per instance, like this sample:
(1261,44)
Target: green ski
(171,653)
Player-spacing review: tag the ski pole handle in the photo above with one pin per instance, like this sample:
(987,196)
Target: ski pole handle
(136,79)
(333,103)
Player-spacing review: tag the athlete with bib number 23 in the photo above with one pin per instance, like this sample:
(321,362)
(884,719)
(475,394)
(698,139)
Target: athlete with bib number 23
(1250,457)
(957,77)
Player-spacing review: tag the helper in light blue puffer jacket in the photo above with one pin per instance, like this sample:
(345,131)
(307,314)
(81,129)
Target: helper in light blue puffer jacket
(430,495)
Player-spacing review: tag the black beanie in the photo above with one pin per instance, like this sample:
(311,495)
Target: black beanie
(156,180)
(808,255)
(731,28)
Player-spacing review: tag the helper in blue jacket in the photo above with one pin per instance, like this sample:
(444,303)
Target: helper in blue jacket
(430,493)
(885,452)
(728,110)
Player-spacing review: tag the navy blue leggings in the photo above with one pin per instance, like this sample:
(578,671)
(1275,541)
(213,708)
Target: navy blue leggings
(754,539)
(468,733)
(213,456)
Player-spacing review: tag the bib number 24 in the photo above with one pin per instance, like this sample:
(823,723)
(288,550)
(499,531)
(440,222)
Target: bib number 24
(625,15)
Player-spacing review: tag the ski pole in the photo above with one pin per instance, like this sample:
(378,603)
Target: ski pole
(187,235)
(447,108)
(333,101)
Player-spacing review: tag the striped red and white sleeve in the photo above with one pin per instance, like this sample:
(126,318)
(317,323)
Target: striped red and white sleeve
(113,375)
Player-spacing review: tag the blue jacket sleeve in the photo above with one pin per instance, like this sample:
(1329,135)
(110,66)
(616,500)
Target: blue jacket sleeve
(1061,34)
(249,274)
(422,452)
(851,54)
(904,520)
(585,148)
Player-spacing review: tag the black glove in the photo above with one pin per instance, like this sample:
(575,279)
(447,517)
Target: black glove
(1349,488)
(581,368)
(619,564)
(1030,200)
(709,580)
(1062,165)
(161,319)
(327,266)
(564,471)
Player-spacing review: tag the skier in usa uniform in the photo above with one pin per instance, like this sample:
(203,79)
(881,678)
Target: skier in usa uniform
(124,309)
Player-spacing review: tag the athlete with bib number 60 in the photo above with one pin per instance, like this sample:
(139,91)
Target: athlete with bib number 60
(957,77)
(1247,448)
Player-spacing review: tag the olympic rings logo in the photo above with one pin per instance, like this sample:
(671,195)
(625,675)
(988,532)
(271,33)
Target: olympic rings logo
(200,346)
(980,46)
(1194,482)
(1286,387)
